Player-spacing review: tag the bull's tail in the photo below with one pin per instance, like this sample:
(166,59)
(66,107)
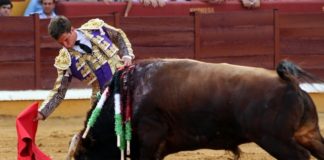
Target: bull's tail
(289,71)
(308,134)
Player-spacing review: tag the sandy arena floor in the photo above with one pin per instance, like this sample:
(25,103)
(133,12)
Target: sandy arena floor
(54,134)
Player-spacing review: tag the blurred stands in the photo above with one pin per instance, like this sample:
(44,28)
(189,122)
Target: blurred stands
(183,8)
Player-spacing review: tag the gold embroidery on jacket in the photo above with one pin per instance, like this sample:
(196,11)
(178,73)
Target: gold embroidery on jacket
(93,24)
(124,37)
(56,95)
(103,51)
(98,24)
(90,79)
(87,64)
(63,60)
(109,51)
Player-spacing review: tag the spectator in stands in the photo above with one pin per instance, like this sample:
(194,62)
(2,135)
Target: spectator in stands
(154,3)
(246,3)
(34,6)
(161,3)
(90,53)
(251,3)
(48,7)
(5,7)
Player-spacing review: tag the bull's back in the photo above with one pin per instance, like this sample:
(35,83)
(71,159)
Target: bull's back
(195,94)
(184,83)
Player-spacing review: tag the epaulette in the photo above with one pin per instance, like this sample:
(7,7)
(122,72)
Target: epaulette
(63,60)
(93,24)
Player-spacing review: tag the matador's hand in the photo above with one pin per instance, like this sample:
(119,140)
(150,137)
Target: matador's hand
(127,60)
(39,117)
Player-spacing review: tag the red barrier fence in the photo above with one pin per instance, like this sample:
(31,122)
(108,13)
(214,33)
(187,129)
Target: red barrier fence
(255,38)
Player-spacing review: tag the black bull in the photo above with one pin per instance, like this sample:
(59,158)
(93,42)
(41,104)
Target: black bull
(185,105)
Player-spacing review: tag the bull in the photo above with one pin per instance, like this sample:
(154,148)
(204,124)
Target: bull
(181,104)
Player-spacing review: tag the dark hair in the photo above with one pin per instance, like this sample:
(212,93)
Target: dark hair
(58,26)
(41,1)
(6,2)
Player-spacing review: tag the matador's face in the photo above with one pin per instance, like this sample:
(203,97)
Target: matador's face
(68,39)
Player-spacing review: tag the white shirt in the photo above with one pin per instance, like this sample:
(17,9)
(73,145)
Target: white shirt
(42,15)
(82,38)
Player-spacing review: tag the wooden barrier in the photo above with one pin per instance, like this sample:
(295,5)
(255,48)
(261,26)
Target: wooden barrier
(255,38)
(240,37)
(301,40)
(160,37)
(17,53)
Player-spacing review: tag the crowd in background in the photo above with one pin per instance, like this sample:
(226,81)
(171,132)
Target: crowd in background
(46,8)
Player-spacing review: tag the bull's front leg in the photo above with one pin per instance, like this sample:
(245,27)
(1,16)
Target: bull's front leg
(151,133)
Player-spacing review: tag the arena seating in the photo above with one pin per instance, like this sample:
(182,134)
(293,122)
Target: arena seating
(174,8)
